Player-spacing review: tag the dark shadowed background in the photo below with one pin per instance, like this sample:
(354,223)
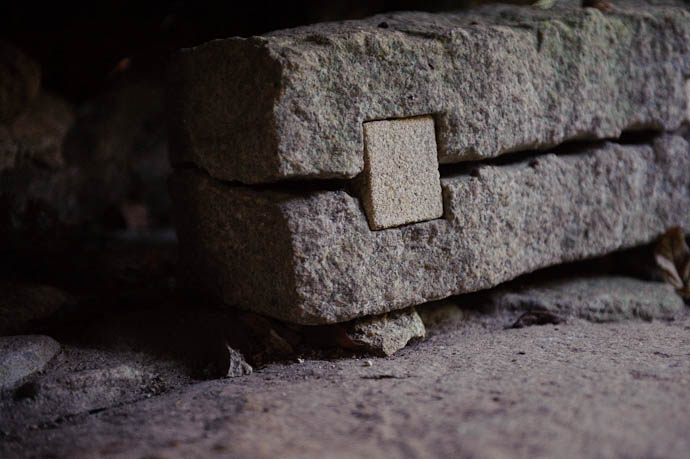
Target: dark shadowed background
(80,44)
(84,152)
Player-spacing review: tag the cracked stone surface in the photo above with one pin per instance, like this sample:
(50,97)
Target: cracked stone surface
(401,178)
(290,104)
(311,258)
(475,390)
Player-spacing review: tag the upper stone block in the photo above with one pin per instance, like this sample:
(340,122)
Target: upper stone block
(402,182)
(291,104)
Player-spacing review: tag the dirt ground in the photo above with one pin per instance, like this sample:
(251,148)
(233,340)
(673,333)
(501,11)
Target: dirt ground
(471,389)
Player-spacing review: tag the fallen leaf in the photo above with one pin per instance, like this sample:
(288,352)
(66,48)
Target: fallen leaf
(672,255)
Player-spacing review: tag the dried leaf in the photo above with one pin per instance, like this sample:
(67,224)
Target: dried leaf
(672,255)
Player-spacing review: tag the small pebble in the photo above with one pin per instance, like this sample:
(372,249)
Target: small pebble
(367,363)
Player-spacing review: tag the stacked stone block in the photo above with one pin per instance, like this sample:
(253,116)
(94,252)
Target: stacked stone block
(315,193)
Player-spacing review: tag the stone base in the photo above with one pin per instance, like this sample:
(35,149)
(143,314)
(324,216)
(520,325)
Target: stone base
(311,258)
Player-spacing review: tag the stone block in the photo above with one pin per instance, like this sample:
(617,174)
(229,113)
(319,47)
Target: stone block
(596,298)
(402,182)
(20,82)
(310,257)
(291,103)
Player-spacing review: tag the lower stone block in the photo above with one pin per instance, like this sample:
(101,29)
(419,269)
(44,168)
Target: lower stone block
(310,257)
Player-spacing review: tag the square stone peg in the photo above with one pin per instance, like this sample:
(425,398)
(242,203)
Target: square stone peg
(401,179)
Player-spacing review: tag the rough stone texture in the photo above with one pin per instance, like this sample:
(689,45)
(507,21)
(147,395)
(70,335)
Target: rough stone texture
(598,299)
(56,396)
(235,365)
(24,355)
(122,387)
(86,390)
(20,81)
(386,334)
(477,390)
(311,258)
(402,182)
(290,104)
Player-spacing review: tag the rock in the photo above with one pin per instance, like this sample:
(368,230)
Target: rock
(402,183)
(388,333)
(236,365)
(311,258)
(26,307)
(597,299)
(119,143)
(41,130)
(217,359)
(65,394)
(20,81)
(219,343)
(290,104)
(8,149)
(31,158)
(105,172)
(24,355)
(36,190)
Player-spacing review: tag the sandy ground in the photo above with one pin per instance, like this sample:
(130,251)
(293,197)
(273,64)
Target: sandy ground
(471,389)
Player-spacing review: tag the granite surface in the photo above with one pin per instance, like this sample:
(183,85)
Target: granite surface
(290,104)
(401,182)
(308,256)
